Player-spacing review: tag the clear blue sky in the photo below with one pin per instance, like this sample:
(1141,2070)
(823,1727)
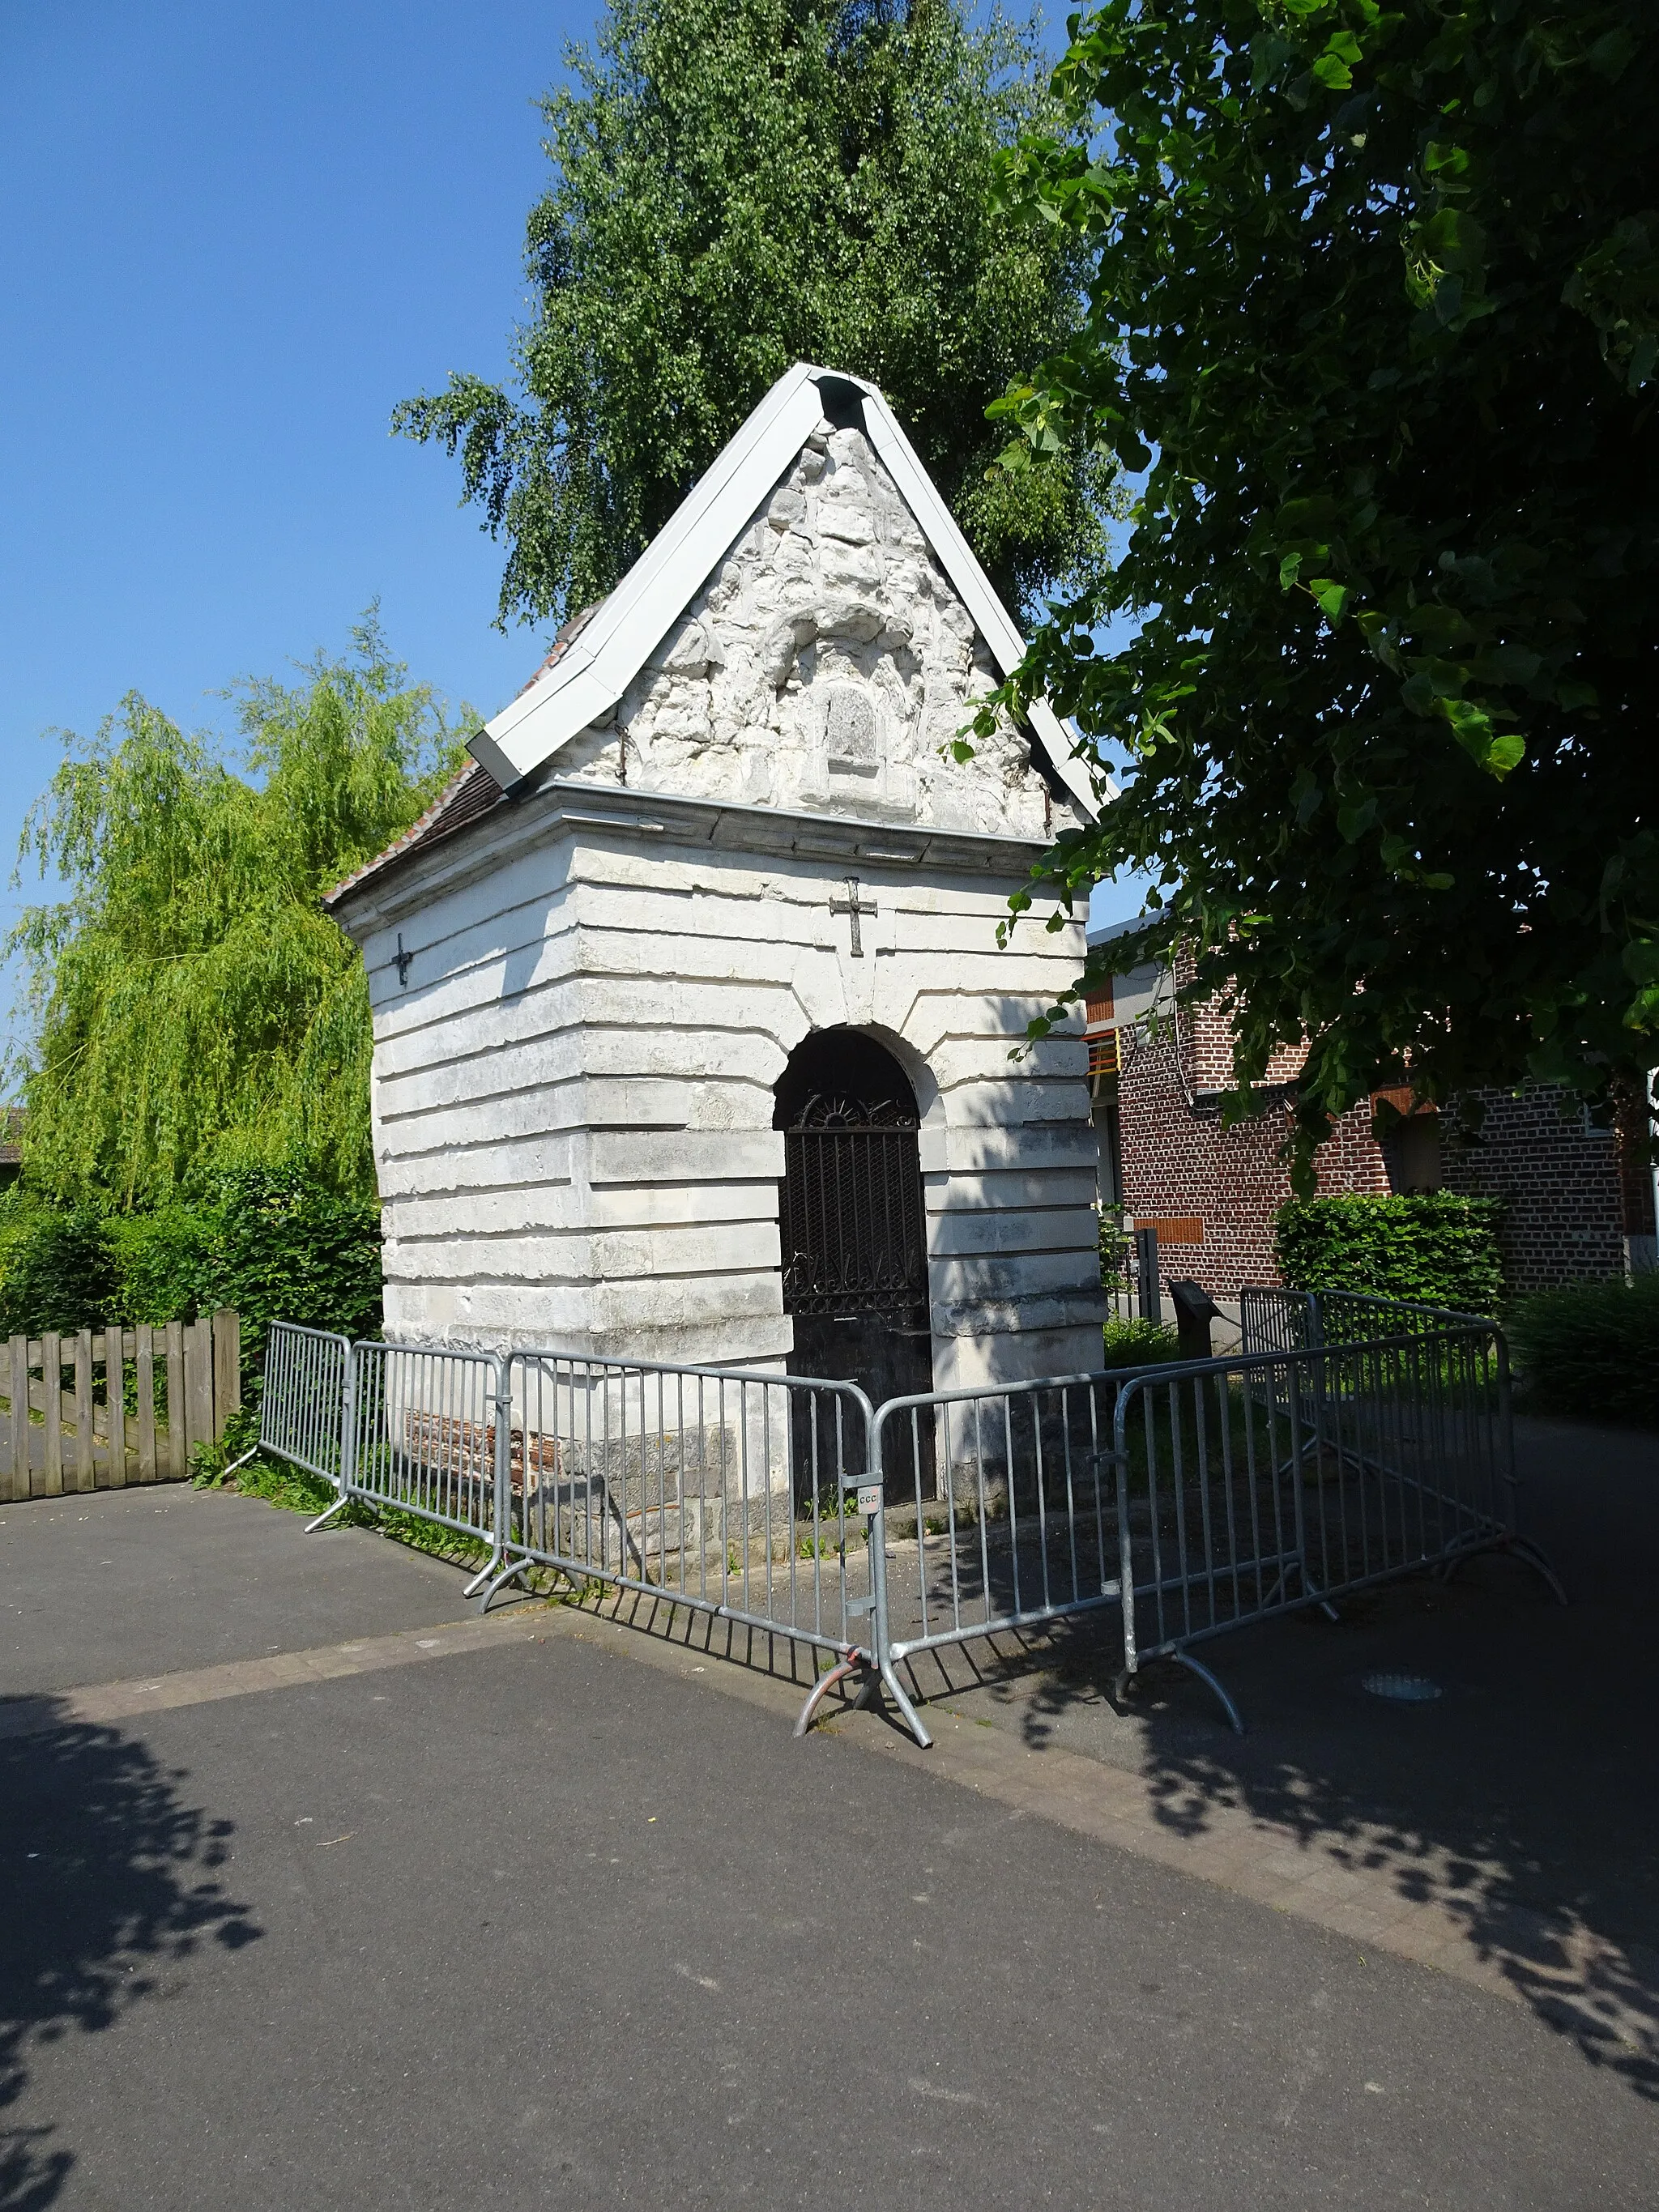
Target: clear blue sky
(233,238)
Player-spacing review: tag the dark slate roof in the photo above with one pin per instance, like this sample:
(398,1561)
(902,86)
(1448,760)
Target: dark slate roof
(469,793)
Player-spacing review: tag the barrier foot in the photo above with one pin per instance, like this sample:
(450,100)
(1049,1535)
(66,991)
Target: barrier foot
(1539,1561)
(491,1577)
(1210,1682)
(912,1718)
(323,1518)
(1518,1547)
(1121,1687)
(825,1683)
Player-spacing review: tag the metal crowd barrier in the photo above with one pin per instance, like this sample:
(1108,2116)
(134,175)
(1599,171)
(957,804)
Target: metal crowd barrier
(739,1495)
(1257,1485)
(424,1435)
(417,1429)
(1275,1319)
(1000,1512)
(1199,1497)
(1191,1500)
(305,1383)
(1291,1321)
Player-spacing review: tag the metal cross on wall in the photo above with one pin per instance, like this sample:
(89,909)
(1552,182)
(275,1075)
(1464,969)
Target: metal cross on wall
(854,906)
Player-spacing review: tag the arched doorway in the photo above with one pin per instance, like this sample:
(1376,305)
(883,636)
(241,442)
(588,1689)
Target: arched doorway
(854,1229)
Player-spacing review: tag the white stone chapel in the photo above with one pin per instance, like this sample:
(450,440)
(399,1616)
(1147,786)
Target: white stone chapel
(692,1036)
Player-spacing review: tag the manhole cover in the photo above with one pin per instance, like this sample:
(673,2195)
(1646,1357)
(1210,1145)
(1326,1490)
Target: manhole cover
(1402,1689)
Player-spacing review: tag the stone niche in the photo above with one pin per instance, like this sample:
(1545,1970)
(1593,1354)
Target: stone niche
(852,729)
(827,663)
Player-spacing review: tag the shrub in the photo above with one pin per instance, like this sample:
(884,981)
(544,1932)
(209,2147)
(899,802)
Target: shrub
(270,1241)
(162,1259)
(1435,1247)
(286,1249)
(57,1271)
(1115,1248)
(1139,1343)
(1592,1348)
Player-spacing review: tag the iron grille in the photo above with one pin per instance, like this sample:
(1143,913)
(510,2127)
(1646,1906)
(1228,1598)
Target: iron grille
(852,1210)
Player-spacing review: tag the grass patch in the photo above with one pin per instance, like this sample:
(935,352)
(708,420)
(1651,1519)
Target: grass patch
(296,1492)
(1592,1349)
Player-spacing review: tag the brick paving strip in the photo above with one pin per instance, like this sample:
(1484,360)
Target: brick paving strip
(1605,1994)
(103,1702)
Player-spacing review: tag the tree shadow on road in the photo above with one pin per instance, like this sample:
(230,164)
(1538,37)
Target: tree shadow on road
(112,1886)
(1521,1807)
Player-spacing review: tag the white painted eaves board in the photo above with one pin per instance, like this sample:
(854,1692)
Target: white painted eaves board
(585,682)
(974,588)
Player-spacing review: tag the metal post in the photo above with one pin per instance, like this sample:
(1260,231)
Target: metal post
(498,1569)
(1151,1296)
(873,1505)
(870,1489)
(348,1443)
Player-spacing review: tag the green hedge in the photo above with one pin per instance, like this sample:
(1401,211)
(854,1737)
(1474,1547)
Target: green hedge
(1435,1247)
(1139,1343)
(271,1243)
(58,1270)
(1592,1348)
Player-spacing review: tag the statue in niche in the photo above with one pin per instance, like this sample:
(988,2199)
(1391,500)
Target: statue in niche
(852,732)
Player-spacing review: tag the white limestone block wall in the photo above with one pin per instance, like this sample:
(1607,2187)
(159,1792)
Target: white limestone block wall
(573,1089)
(573,1094)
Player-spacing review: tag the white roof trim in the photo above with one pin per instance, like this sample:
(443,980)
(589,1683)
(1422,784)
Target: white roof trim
(590,676)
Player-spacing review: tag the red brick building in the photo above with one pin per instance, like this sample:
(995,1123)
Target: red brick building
(1579,1197)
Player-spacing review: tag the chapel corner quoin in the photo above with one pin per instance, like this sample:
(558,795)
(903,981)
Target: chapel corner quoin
(693,1042)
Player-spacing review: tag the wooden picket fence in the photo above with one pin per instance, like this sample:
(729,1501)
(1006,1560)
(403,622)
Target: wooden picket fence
(105,1407)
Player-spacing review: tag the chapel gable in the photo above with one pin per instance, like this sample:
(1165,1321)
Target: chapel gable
(825,665)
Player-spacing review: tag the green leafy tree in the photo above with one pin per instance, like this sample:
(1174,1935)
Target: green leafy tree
(742,184)
(196,1011)
(1375,306)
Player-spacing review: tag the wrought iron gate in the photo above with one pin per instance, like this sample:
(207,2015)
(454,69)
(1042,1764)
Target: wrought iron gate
(856,1250)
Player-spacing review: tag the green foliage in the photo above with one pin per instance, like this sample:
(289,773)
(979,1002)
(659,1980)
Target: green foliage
(196,1011)
(1433,1249)
(1592,1349)
(1375,304)
(287,1249)
(270,1242)
(57,1271)
(162,1262)
(1139,1343)
(742,184)
(1114,1247)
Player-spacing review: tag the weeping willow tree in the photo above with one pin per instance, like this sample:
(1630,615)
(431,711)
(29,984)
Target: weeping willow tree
(195,1011)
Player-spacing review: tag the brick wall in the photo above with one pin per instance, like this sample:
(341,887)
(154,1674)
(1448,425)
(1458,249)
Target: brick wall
(1178,1160)
(1560,1180)
(1568,1214)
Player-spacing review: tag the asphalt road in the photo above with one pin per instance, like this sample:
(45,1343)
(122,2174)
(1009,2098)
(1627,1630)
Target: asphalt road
(543,1926)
